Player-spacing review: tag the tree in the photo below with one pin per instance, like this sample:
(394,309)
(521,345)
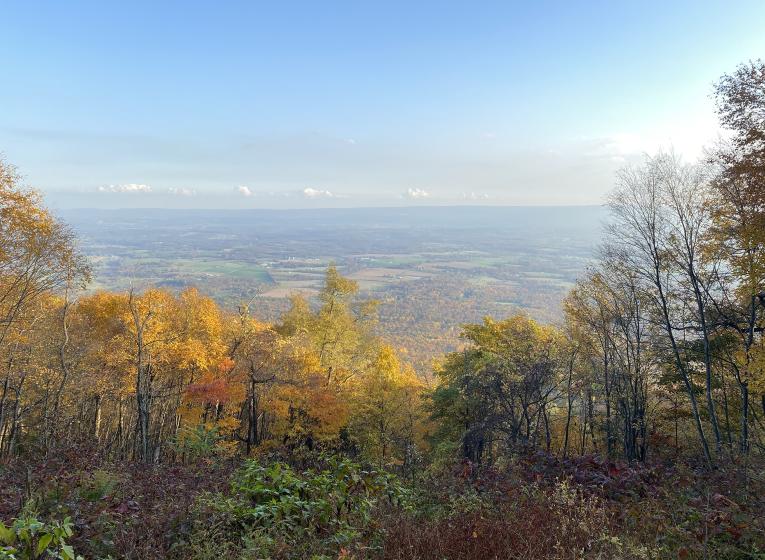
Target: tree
(339,334)
(642,234)
(38,257)
(610,328)
(738,211)
(340,329)
(384,414)
(501,386)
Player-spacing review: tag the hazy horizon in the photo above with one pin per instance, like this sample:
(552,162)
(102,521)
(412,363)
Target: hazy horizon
(404,205)
(247,105)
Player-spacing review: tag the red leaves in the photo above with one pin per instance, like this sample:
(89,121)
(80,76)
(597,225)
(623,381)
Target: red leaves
(225,366)
(211,391)
(609,479)
(614,471)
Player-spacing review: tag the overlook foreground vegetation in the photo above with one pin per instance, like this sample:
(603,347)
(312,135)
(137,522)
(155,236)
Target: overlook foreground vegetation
(156,424)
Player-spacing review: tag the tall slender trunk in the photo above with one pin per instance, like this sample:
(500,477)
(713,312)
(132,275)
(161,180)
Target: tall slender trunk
(120,427)
(707,362)
(3,403)
(569,401)
(143,382)
(591,412)
(584,426)
(726,412)
(97,417)
(62,362)
(607,387)
(679,363)
(252,417)
(743,383)
(744,437)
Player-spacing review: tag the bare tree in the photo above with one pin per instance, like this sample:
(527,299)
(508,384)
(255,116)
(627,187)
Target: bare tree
(642,231)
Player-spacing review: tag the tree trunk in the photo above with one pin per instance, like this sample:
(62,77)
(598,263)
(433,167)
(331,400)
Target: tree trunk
(681,366)
(569,402)
(97,418)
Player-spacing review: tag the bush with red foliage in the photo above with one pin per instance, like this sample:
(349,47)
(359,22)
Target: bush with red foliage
(544,507)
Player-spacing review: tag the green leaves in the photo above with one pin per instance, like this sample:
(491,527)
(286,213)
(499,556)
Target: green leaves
(30,539)
(67,552)
(42,543)
(7,535)
(329,508)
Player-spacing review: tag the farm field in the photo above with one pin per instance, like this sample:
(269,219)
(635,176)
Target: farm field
(431,268)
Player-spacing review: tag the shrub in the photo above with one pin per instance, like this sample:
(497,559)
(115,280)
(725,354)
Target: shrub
(99,485)
(286,514)
(30,539)
(198,442)
(500,518)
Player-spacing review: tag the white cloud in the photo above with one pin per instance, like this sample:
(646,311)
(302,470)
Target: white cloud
(244,191)
(416,193)
(686,138)
(127,188)
(182,191)
(317,193)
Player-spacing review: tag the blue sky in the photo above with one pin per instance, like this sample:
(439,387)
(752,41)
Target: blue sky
(246,104)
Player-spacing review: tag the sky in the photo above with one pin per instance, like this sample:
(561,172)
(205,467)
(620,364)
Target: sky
(246,104)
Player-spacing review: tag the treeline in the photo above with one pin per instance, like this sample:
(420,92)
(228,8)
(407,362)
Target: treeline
(156,375)
(662,345)
(661,350)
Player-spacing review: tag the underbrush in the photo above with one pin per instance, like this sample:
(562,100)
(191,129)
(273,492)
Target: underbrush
(534,507)
(273,511)
(535,522)
(541,507)
(119,510)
